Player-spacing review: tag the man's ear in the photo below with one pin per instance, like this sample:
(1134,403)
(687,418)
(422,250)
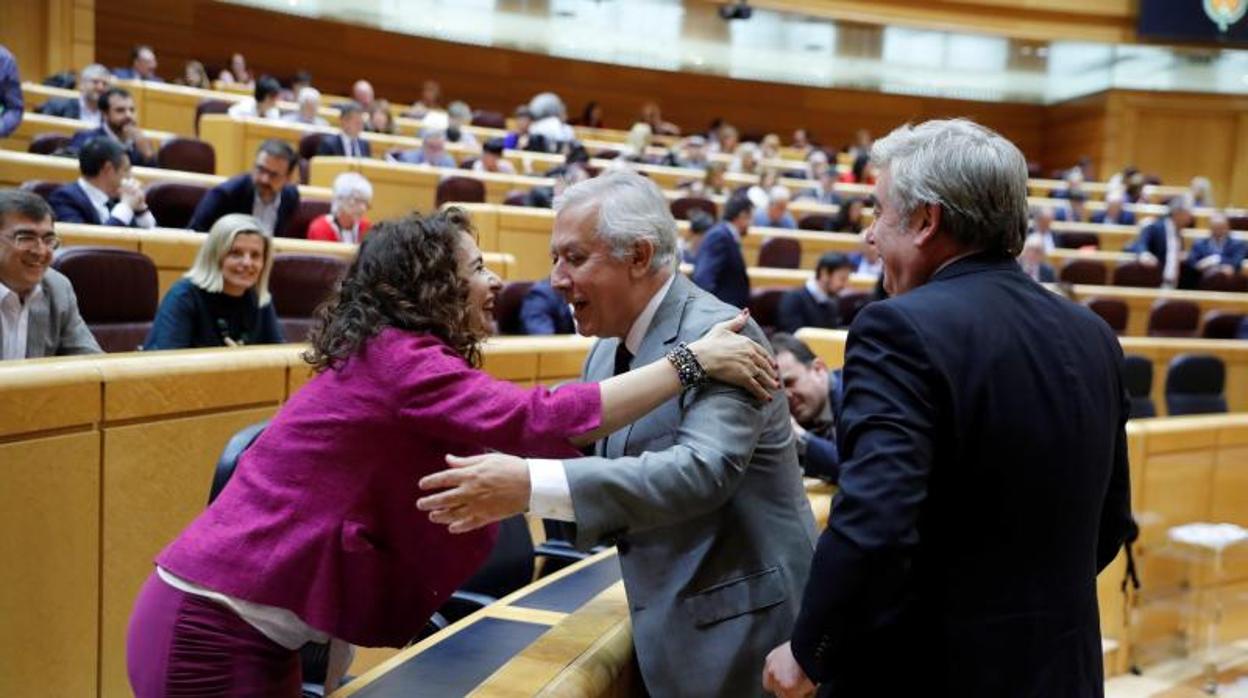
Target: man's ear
(925,221)
(643,255)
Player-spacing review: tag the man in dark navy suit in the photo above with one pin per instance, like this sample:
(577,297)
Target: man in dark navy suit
(348,143)
(142,65)
(119,122)
(1114,211)
(105,194)
(93,81)
(544,311)
(263,192)
(719,267)
(1219,251)
(816,304)
(1161,244)
(980,493)
(814,396)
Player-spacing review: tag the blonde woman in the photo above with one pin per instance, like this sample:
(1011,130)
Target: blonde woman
(224,299)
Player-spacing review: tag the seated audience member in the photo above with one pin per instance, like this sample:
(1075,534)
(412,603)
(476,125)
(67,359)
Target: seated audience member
(237,73)
(309,101)
(105,194)
(814,395)
(815,304)
(121,124)
(492,159)
(348,142)
(263,104)
(801,140)
(714,182)
(693,154)
(591,116)
(345,222)
(862,143)
(1161,243)
(300,80)
(1076,210)
(142,65)
(760,193)
(380,119)
(430,100)
(263,192)
(719,267)
(1242,333)
(745,159)
(691,239)
(861,172)
(1114,212)
(769,147)
(194,75)
(651,114)
(518,137)
(867,262)
(458,118)
(826,192)
(362,93)
(223,299)
(38,309)
(93,81)
(1072,182)
(1032,260)
(637,144)
(11,102)
(549,130)
(1218,251)
(851,218)
(432,150)
(545,311)
(816,164)
(1200,191)
(1042,225)
(727,139)
(776,214)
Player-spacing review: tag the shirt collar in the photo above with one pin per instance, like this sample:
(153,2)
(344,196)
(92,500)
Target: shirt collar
(6,292)
(632,341)
(812,287)
(257,201)
(97,197)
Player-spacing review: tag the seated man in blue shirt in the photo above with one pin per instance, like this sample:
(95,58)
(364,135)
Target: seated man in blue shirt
(776,215)
(432,151)
(1219,251)
(814,395)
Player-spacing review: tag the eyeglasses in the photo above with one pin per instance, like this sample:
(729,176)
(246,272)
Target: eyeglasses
(29,242)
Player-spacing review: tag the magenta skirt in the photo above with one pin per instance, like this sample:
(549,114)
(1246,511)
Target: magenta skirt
(185,645)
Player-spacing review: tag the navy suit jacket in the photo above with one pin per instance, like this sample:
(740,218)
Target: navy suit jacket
(332,145)
(799,309)
(822,458)
(719,267)
(129,74)
(238,195)
(72,205)
(1125,217)
(65,107)
(979,494)
(1233,252)
(544,311)
(136,157)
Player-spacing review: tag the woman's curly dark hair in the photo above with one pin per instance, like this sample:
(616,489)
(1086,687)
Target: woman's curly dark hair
(405,276)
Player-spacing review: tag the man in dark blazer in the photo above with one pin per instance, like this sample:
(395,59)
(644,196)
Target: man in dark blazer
(119,123)
(263,192)
(142,65)
(719,266)
(814,395)
(815,304)
(105,194)
(348,143)
(544,311)
(92,83)
(1161,244)
(980,492)
(1218,251)
(1114,212)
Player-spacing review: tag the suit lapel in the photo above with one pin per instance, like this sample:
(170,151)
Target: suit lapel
(38,323)
(658,340)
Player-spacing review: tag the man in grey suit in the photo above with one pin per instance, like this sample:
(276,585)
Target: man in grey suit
(38,309)
(703,497)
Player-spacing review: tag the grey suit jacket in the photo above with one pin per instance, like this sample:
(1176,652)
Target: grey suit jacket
(54,327)
(704,500)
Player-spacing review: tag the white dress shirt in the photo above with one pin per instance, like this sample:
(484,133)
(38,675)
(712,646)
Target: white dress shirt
(549,494)
(91,116)
(816,291)
(14,321)
(266,213)
(1170,272)
(121,211)
(351,146)
(248,107)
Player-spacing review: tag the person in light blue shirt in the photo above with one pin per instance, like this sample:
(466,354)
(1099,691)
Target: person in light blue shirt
(432,151)
(776,214)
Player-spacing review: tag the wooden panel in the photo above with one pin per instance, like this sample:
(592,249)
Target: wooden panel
(49,583)
(156,479)
(189,380)
(48,394)
(828,345)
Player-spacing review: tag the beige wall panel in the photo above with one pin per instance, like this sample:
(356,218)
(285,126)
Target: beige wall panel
(49,582)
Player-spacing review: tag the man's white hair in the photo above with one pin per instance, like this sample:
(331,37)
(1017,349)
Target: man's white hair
(348,185)
(630,208)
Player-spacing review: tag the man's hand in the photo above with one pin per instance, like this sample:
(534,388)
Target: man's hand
(132,193)
(479,491)
(1148,259)
(782,676)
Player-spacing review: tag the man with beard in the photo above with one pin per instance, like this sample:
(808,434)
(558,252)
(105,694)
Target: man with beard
(263,192)
(119,122)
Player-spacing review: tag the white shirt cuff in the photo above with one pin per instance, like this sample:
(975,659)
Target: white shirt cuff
(145,220)
(549,494)
(123,213)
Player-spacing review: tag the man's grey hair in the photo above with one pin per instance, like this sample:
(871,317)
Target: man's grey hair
(309,94)
(93,71)
(1179,203)
(976,176)
(630,208)
(547,104)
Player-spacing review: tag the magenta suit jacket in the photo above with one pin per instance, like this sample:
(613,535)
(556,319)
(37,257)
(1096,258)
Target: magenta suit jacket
(320,518)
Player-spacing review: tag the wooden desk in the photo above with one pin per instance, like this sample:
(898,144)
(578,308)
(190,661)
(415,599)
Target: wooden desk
(1140,301)
(37,124)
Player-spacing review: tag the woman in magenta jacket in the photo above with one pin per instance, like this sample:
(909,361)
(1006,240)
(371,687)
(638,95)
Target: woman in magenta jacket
(317,536)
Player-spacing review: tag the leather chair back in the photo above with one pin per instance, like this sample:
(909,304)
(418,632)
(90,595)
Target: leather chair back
(173,203)
(783,253)
(466,190)
(117,291)
(1173,318)
(299,284)
(187,155)
(1194,385)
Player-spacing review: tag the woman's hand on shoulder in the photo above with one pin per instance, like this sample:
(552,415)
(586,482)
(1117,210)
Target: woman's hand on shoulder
(730,357)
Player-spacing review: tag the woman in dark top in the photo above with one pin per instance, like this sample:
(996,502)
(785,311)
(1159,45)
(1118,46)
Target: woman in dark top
(224,299)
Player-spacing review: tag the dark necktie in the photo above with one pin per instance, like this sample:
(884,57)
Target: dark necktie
(623,357)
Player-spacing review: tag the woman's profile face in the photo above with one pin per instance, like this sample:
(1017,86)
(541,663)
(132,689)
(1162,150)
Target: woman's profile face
(483,285)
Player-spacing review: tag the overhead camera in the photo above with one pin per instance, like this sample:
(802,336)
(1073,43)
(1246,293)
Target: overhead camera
(737,10)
